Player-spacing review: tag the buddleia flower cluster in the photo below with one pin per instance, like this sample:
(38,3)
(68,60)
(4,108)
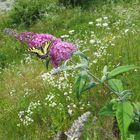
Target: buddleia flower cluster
(75,132)
(59,51)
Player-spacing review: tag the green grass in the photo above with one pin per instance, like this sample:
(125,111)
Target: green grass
(20,73)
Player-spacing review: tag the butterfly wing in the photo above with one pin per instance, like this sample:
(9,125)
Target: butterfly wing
(41,51)
(35,50)
(46,47)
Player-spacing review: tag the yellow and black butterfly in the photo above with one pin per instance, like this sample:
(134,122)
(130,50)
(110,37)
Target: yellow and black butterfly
(41,52)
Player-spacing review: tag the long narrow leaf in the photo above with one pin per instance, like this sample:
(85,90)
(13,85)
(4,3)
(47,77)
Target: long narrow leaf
(121,69)
(80,83)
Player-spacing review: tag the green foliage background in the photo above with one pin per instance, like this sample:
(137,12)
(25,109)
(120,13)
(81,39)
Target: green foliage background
(47,16)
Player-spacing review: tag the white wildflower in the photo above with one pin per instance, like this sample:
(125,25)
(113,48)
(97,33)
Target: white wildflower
(18,125)
(65,93)
(98,19)
(105,24)
(70,111)
(90,23)
(126,30)
(92,41)
(98,25)
(71,32)
(64,36)
(105,17)
(53,104)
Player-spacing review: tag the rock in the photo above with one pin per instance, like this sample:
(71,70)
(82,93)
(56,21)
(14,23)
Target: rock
(5,5)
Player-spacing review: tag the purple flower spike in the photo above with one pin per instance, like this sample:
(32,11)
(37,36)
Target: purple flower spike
(36,40)
(61,51)
(58,51)
(25,36)
(39,40)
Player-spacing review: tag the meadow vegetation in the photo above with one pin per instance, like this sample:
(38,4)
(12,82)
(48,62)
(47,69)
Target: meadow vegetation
(35,105)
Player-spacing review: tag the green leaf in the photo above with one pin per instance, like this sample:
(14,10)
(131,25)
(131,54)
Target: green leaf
(121,69)
(79,53)
(107,110)
(88,86)
(124,115)
(83,83)
(116,85)
(80,83)
(82,65)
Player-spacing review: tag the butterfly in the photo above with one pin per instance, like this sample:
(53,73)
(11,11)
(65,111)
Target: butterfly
(41,52)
